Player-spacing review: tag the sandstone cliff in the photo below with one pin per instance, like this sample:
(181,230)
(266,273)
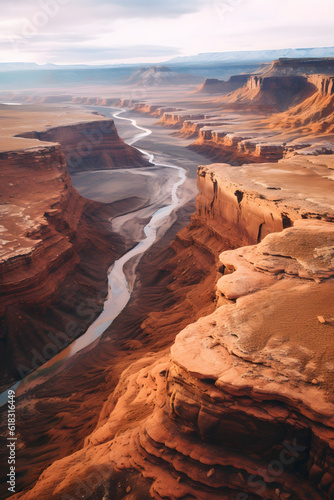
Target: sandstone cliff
(272,92)
(215,86)
(91,146)
(304,66)
(315,115)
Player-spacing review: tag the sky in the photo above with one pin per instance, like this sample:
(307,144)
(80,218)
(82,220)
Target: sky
(150,31)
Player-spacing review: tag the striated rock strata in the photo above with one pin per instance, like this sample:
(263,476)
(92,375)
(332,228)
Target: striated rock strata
(92,146)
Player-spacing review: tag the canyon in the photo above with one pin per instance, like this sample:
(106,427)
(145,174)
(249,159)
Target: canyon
(216,380)
(56,245)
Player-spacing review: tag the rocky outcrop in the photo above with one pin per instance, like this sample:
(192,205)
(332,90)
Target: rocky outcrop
(304,66)
(156,76)
(200,130)
(215,86)
(176,120)
(314,116)
(235,149)
(295,83)
(243,409)
(271,93)
(324,84)
(92,146)
(97,101)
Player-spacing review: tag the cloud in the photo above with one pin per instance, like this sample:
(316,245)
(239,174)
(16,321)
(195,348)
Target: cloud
(62,31)
(116,9)
(42,27)
(69,51)
(135,8)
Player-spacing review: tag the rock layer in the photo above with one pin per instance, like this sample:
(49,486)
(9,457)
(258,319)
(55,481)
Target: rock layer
(92,146)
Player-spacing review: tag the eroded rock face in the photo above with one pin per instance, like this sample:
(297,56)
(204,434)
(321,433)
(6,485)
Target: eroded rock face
(215,86)
(325,84)
(258,199)
(305,66)
(176,120)
(92,146)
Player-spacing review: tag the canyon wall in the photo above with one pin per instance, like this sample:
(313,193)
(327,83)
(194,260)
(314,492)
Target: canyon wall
(291,83)
(324,84)
(52,240)
(305,66)
(92,146)
(313,117)
(234,148)
(269,94)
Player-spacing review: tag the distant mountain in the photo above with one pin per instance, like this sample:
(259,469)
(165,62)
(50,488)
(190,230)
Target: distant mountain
(159,76)
(252,55)
(19,66)
(305,66)
(221,87)
(22,66)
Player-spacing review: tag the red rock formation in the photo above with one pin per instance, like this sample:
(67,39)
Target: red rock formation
(214,86)
(152,109)
(272,93)
(199,129)
(235,149)
(242,407)
(260,134)
(315,115)
(93,145)
(176,120)
(56,248)
(324,84)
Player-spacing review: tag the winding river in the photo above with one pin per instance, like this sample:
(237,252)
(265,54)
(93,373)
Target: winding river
(119,292)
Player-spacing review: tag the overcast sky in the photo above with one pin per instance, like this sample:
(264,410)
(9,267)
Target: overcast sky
(114,31)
